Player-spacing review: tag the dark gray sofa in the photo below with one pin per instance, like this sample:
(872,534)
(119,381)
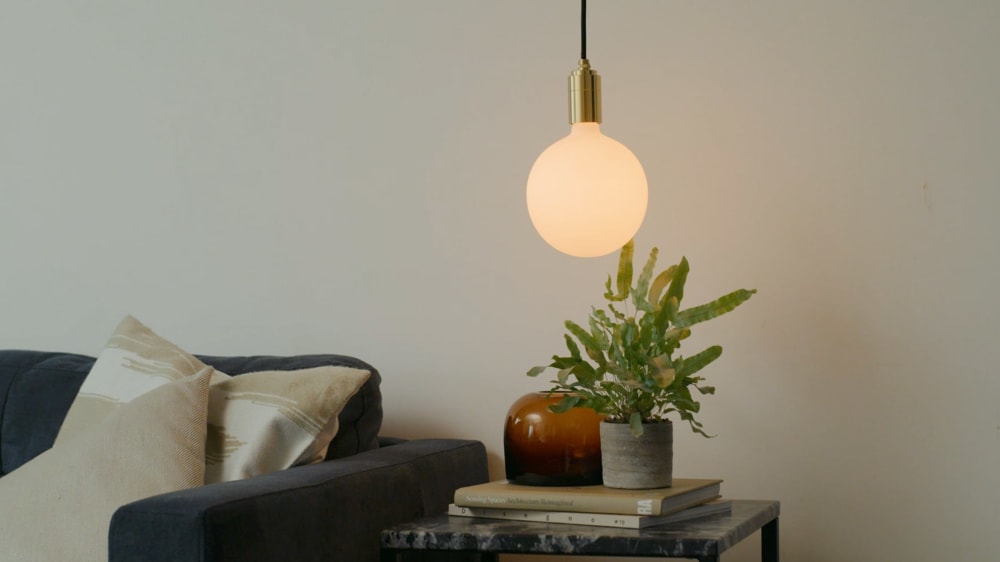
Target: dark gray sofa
(331,511)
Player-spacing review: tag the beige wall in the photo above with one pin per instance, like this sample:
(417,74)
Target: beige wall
(289,177)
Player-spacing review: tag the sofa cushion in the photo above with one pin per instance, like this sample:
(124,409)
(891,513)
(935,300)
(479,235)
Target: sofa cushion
(260,422)
(361,418)
(270,420)
(152,445)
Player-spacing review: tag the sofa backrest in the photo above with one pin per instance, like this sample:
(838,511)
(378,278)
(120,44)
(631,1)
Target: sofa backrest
(38,387)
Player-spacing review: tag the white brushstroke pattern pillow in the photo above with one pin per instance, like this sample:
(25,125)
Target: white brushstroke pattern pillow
(58,506)
(257,422)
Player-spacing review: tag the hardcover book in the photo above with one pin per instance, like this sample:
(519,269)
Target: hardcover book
(594,519)
(685,492)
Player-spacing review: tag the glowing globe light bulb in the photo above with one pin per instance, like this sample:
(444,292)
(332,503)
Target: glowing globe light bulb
(587,193)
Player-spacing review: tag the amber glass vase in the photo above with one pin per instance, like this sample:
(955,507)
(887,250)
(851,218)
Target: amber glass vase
(542,448)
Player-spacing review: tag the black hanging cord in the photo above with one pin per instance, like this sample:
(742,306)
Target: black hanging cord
(583,29)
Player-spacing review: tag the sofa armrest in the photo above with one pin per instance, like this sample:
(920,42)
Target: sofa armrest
(334,510)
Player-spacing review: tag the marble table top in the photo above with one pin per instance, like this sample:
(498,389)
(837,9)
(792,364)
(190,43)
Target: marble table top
(707,536)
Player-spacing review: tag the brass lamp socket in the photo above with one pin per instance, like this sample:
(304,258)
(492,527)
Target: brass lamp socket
(584,94)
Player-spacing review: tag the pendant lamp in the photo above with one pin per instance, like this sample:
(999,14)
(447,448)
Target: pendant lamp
(587,192)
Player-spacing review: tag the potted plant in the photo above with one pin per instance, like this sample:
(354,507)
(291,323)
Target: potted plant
(629,369)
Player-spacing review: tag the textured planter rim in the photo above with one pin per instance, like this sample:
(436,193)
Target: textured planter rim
(637,463)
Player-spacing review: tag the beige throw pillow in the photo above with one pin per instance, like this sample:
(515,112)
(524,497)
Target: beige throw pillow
(271,420)
(134,361)
(58,506)
(257,422)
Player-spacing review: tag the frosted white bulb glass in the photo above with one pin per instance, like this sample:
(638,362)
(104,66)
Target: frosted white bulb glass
(587,193)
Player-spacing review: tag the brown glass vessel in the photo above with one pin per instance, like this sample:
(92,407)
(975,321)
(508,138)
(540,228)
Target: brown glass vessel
(542,448)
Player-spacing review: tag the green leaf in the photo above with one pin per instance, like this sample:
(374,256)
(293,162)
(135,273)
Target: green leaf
(618,314)
(584,373)
(535,371)
(677,334)
(616,362)
(676,290)
(635,421)
(667,313)
(599,335)
(699,360)
(713,309)
(706,389)
(647,330)
(574,350)
(625,271)
(685,402)
(660,283)
(626,334)
(601,317)
(565,404)
(585,338)
(563,362)
(642,285)
(597,356)
(609,294)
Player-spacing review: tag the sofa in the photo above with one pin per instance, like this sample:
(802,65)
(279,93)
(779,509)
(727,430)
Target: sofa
(332,511)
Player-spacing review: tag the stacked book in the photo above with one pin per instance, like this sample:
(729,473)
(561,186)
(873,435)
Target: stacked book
(687,498)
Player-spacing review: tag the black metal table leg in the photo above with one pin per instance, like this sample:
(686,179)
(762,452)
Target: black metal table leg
(769,541)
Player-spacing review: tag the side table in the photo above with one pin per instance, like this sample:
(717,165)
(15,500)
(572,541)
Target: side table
(467,539)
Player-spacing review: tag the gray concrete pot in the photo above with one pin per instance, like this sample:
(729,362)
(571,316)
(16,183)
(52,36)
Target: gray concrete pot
(640,462)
